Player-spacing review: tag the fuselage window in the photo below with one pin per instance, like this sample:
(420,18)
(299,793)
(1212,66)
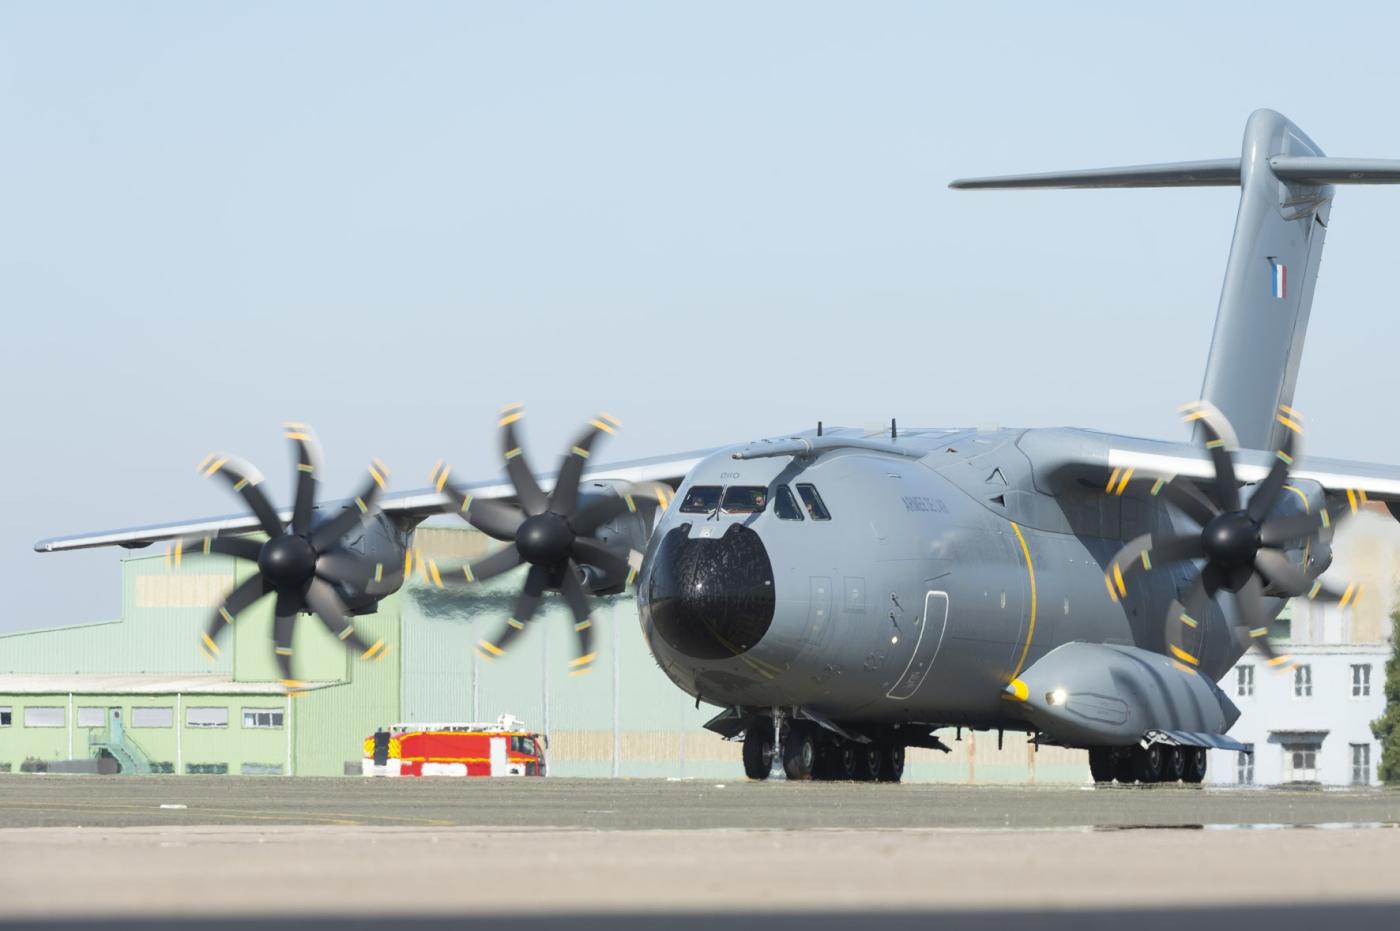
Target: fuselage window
(702,499)
(745,499)
(785,505)
(816,508)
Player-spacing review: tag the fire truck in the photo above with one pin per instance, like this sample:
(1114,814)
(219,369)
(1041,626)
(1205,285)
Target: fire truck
(506,748)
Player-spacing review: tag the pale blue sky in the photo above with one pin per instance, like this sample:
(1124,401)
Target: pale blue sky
(716,221)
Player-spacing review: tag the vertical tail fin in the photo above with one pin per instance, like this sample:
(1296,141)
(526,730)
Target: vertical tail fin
(1286,194)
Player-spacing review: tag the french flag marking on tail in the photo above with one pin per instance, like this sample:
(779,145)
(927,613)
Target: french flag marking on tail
(1278,275)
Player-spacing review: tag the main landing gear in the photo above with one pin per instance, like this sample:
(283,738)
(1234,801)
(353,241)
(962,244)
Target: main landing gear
(1156,763)
(810,752)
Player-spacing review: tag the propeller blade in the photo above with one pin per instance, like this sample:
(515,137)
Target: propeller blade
(308,453)
(244,478)
(288,605)
(564,498)
(1266,495)
(496,519)
(1253,621)
(597,513)
(1227,487)
(526,605)
(358,572)
(236,602)
(1190,500)
(488,567)
(527,490)
(1146,550)
(329,607)
(581,606)
(326,535)
(238,547)
(612,562)
(1282,530)
(1184,620)
(1282,573)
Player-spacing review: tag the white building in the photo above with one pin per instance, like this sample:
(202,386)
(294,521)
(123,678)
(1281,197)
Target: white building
(1308,724)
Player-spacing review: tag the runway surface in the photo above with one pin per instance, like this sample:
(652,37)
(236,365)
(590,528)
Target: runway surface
(315,854)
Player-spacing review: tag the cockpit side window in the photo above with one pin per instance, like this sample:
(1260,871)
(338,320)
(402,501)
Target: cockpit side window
(785,505)
(701,499)
(816,508)
(745,499)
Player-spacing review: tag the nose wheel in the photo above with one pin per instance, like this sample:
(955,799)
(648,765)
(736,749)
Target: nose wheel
(809,752)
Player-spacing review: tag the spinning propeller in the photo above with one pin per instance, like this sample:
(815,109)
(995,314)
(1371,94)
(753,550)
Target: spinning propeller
(551,533)
(299,562)
(1241,549)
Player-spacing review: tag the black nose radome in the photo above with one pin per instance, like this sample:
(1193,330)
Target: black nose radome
(710,598)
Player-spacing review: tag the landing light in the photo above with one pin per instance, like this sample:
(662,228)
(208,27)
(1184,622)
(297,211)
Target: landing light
(894,638)
(1057,697)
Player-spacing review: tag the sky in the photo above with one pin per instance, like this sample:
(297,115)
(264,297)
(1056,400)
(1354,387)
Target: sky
(715,221)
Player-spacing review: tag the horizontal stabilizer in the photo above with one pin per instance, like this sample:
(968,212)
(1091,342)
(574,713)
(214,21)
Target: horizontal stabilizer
(1222,172)
(1325,170)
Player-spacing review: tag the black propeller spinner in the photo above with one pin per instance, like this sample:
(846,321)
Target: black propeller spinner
(1241,550)
(552,534)
(299,563)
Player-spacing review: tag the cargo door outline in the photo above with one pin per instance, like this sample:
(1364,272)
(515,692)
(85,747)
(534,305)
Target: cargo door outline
(925,648)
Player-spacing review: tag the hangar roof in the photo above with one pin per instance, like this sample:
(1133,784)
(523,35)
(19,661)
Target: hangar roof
(138,684)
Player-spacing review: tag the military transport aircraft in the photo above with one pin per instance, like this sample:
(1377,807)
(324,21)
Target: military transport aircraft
(843,595)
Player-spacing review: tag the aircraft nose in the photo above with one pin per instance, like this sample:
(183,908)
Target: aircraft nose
(709,598)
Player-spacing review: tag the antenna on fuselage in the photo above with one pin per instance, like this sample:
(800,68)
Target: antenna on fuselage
(819,428)
(894,429)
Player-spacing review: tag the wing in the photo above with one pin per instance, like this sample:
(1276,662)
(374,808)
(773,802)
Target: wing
(409,507)
(1063,458)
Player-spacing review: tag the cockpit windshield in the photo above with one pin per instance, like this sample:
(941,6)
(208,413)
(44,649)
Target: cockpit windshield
(745,499)
(701,499)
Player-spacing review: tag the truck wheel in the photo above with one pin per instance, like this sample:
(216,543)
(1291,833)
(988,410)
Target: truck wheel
(799,753)
(758,751)
(1101,763)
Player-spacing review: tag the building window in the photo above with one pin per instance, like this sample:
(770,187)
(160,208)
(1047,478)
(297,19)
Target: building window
(1244,766)
(1360,764)
(1244,681)
(206,769)
(92,717)
(1302,681)
(7,717)
(262,717)
(261,769)
(206,717)
(1361,680)
(45,716)
(153,717)
(1300,762)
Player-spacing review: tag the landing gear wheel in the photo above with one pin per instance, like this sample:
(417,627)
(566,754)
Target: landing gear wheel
(847,760)
(758,751)
(799,753)
(1174,764)
(1148,764)
(891,762)
(1101,763)
(1196,759)
(868,762)
(1123,769)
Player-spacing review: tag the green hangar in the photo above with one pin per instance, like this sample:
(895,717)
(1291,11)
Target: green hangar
(138,695)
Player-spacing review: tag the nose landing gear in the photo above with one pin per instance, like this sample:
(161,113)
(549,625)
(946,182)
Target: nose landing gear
(811,752)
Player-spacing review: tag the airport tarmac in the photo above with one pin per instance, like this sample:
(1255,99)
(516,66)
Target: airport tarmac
(226,852)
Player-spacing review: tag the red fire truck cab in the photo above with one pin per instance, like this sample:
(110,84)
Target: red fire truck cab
(505,748)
